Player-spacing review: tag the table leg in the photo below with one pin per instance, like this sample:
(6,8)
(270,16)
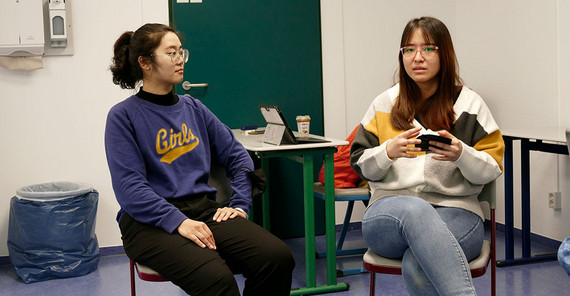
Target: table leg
(330,219)
(525,197)
(526,147)
(265,196)
(309,220)
(332,284)
(509,206)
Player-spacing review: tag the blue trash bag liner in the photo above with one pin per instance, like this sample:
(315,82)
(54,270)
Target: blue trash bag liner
(564,255)
(51,232)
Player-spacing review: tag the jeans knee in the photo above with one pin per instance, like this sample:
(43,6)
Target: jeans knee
(415,279)
(390,221)
(399,207)
(417,285)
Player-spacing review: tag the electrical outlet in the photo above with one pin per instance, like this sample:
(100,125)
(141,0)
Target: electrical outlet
(555,200)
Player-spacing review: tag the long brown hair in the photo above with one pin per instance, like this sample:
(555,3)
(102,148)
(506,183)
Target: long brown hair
(436,113)
(130,46)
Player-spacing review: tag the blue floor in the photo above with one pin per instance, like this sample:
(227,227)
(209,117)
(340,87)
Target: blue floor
(112,276)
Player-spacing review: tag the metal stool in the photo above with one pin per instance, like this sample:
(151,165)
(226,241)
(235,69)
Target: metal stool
(350,195)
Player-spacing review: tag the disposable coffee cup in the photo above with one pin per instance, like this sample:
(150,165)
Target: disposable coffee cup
(303,125)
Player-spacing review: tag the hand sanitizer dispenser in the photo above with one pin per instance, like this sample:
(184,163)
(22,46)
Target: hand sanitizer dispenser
(22,26)
(58,35)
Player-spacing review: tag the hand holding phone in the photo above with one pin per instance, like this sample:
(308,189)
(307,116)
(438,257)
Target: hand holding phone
(428,136)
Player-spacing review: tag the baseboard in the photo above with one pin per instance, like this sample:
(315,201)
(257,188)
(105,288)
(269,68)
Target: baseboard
(351,226)
(109,251)
(535,238)
(103,251)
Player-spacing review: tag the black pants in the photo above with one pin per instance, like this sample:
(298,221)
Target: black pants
(242,247)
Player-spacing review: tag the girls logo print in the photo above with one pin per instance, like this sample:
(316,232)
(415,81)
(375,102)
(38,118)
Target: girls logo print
(172,145)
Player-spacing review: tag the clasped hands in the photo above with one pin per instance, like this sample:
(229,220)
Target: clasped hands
(200,233)
(406,141)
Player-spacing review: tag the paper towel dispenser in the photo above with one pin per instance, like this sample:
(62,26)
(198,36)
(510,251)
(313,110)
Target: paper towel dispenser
(22,24)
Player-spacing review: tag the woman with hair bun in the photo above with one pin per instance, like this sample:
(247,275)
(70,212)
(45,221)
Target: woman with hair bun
(159,149)
(423,206)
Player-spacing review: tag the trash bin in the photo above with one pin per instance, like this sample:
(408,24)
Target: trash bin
(51,231)
(564,254)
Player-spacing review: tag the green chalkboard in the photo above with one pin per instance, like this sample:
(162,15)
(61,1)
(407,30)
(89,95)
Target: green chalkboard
(253,52)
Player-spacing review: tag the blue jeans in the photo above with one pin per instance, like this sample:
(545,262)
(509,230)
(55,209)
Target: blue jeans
(435,243)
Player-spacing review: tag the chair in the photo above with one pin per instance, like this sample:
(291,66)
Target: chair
(145,273)
(351,195)
(377,264)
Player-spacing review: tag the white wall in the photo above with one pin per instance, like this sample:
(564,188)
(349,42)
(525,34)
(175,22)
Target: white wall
(516,59)
(556,221)
(52,120)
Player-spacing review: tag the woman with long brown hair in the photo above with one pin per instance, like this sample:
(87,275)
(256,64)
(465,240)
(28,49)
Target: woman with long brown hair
(424,206)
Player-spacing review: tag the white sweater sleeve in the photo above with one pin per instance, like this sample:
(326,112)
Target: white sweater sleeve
(374,162)
(477,166)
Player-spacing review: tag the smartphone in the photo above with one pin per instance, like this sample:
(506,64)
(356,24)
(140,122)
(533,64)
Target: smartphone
(426,138)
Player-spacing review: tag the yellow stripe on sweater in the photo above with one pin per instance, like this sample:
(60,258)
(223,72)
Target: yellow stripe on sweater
(493,144)
(381,122)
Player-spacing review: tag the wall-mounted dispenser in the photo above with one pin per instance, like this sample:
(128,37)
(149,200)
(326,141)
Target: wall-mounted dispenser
(22,27)
(58,27)
(57,21)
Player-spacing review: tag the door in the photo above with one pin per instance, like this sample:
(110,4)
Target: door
(252,52)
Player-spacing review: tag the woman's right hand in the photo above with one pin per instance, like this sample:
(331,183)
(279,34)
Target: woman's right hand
(198,232)
(403,143)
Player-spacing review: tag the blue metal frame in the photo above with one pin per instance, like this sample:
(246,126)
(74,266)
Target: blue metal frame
(526,146)
(346,223)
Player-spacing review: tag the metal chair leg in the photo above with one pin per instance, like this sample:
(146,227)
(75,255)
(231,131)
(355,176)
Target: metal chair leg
(132,266)
(372,283)
(345,225)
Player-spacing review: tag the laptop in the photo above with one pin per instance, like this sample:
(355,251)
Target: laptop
(276,123)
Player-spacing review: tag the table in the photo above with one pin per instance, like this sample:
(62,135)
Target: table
(304,153)
(531,140)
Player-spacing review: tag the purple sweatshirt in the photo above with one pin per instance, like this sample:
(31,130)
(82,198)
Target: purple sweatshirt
(159,152)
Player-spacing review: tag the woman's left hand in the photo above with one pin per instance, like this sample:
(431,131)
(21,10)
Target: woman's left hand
(446,152)
(223,214)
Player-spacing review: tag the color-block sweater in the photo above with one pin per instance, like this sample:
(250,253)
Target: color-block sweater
(441,183)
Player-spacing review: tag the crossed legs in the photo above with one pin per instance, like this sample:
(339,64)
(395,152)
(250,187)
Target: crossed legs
(435,244)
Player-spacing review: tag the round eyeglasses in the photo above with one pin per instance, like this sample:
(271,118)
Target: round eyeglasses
(426,51)
(175,56)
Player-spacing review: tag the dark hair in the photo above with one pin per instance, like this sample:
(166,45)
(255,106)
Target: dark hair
(437,112)
(130,46)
